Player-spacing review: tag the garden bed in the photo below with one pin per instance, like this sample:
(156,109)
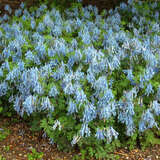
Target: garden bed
(19,142)
(83,80)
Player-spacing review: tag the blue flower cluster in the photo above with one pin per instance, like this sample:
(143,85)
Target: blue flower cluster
(82,55)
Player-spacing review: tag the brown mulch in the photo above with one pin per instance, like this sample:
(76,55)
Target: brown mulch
(21,141)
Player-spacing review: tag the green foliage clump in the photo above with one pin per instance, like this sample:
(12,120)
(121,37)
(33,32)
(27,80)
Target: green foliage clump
(35,155)
(90,81)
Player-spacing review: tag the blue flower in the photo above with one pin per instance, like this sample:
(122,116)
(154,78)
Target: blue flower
(78,75)
(78,22)
(6,53)
(109,133)
(149,90)
(24,18)
(1,72)
(130,127)
(33,23)
(37,37)
(149,73)
(1,34)
(101,84)
(17,104)
(57,124)
(100,134)
(26,13)
(56,31)
(38,89)
(71,62)
(106,98)
(75,140)
(111,83)
(91,78)
(40,27)
(156,15)
(86,14)
(115,63)
(96,33)
(85,131)
(129,74)
(51,52)
(142,126)
(37,60)
(13,75)
(42,7)
(7,8)
(74,43)
(29,104)
(154,5)
(29,55)
(46,105)
(18,12)
(142,80)
(51,141)
(125,115)
(22,5)
(147,121)
(155,27)
(5,65)
(45,70)
(129,95)
(72,107)
(105,112)
(26,32)
(156,40)
(41,50)
(5,17)
(38,13)
(60,47)
(123,6)
(11,99)
(3,88)
(68,28)
(158,94)
(53,92)
(79,0)
(59,73)
(21,66)
(86,39)
(80,96)
(48,21)
(69,89)
(89,113)
(156,107)
(78,55)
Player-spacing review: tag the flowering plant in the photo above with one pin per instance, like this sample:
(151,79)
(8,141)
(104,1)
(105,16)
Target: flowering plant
(95,77)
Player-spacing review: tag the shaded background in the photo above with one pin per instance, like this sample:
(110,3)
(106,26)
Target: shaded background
(101,4)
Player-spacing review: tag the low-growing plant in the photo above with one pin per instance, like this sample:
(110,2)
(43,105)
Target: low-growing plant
(4,133)
(6,148)
(91,81)
(35,155)
(2,158)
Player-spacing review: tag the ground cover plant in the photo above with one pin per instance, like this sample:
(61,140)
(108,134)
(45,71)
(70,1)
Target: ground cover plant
(90,80)
(3,133)
(35,155)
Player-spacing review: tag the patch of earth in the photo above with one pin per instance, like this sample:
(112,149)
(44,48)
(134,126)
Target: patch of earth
(18,141)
